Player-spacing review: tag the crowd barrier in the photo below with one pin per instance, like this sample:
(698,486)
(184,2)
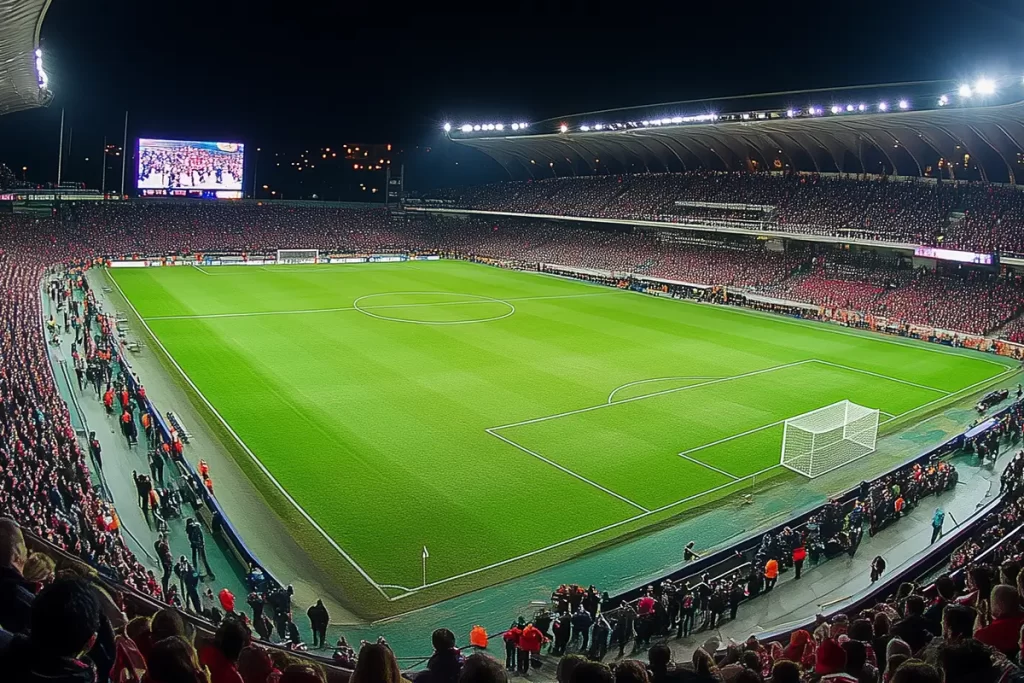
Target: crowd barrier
(736,556)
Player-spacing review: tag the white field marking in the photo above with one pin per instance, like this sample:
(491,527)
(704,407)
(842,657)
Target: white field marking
(567,541)
(878,374)
(1007,371)
(710,467)
(353,308)
(201,270)
(656,393)
(478,299)
(729,438)
(890,415)
(554,464)
(234,434)
(823,327)
(617,389)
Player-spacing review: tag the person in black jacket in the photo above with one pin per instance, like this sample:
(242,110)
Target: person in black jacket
(16,593)
(198,543)
(581,623)
(66,623)
(318,621)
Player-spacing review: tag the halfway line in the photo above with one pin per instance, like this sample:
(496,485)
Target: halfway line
(352,308)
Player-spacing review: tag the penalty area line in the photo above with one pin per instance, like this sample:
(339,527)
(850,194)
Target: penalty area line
(554,464)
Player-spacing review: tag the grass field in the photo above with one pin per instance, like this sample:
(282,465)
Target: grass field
(504,420)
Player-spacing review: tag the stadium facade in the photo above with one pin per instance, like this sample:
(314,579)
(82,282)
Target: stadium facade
(23,82)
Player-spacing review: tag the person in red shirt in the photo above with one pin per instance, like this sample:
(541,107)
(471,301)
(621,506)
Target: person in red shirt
(645,605)
(222,656)
(530,642)
(511,638)
(1003,633)
(108,400)
(799,555)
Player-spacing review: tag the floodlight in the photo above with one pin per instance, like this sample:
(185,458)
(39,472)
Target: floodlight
(904,104)
(585,128)
(447,127)
(563,128)
(943,101)
(985,86)
(790,113)
(477,127)
(883,106)
(745,117)
(835,109)
(524,125)
(515,126)
(849,107)
(861,107)
(467,128)
(666,121)
(39,53)
(598,126)
(500,126)
(677,119)
(645,123)
(965,90)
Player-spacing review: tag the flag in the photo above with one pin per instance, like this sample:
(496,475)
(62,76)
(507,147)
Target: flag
(425,553)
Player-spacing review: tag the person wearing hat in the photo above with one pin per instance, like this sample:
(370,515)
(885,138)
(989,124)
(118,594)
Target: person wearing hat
(830,663)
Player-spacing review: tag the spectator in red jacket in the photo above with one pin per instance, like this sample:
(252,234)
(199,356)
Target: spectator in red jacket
(1003,633)
(511,638)
(799,555)
(530,642)
(221,658)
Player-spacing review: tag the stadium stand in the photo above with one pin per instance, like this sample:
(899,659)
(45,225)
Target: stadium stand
(46,484)
(972,216)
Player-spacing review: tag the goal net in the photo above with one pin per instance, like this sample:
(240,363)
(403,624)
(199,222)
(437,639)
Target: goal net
(297,255)
(822,440)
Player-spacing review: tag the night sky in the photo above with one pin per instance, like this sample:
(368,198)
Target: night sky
(283,76)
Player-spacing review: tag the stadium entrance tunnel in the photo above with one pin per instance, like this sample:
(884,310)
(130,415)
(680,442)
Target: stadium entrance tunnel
(433,308)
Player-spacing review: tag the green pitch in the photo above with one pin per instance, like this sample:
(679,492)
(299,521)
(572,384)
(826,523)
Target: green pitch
(504,420)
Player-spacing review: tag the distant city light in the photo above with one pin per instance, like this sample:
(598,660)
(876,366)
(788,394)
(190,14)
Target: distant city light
(883,106)
(965,91)
(904,104)
(985,86)
(447,127)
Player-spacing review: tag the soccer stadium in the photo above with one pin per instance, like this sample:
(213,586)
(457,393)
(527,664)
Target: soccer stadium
(710,390)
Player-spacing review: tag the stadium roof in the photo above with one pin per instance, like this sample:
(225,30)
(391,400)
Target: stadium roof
(23,84)
(957,137)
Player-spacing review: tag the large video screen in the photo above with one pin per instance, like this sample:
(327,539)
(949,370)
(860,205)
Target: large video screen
(187,168)
(953,255)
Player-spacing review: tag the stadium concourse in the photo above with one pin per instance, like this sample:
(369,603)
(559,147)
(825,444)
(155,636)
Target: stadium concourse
(47,483)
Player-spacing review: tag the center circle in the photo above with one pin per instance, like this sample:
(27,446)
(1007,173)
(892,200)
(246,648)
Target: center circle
(433,308)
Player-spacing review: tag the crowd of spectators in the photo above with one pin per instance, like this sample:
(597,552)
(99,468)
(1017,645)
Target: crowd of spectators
(971,216)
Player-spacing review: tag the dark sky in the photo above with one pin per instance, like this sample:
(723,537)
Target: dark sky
(295,73)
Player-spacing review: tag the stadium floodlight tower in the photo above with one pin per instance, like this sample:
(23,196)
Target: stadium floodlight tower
(827,438)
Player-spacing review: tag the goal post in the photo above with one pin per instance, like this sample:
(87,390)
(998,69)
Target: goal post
(827,438)
(298,256)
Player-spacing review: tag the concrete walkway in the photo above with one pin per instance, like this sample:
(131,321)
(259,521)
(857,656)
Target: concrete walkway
(264,532)
(119,461)
(828,585)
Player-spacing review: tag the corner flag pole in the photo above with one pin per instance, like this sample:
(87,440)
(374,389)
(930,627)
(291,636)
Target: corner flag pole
(425,556)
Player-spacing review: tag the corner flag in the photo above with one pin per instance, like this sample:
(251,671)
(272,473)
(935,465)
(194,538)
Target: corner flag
(425,556)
